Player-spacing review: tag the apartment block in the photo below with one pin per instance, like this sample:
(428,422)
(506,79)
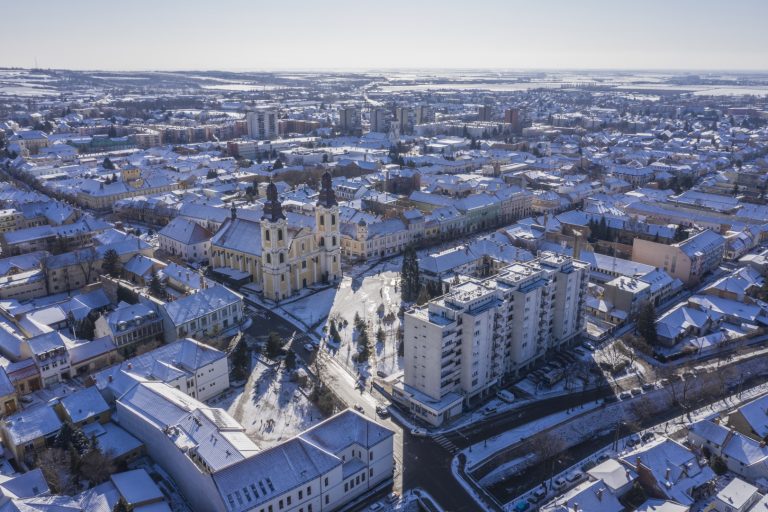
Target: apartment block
(459,346)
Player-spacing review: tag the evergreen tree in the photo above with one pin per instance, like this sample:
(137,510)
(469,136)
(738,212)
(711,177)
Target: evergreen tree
(107,164)
(274,345)
(240,361)
(277,165)
(380,335)
(646,323)
(290,360)
(121,506)
(156,286)
(334,332)
(409,275)
(111,264)
(211,174)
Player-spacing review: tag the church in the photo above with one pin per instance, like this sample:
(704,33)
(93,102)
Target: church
(283,252)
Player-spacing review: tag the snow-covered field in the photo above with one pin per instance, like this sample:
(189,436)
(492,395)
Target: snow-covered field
(268,395)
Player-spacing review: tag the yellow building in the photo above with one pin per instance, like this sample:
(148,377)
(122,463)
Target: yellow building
(282,254)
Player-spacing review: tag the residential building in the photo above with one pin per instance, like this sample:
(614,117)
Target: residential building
(207,313)
(459,346)
(186,240)
(130,325)
(98,195)
(262,124)
(349,120)
(29,431)
(688,260)
(193,368)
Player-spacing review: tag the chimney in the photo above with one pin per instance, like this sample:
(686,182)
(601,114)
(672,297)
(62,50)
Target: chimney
(130,366)
(666,474)
(109,378)
(638,462)
(600,494)
(575,507)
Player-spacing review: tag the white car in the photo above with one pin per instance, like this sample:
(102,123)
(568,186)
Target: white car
(419,432)
(309,347)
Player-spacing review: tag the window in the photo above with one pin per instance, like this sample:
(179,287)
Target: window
(333,220)
(282,258)
(266,233)
(309,489)
(326,499)
(304,264)
(333,242)
(279,234)
(289,501)
(370,473)
(326,481)
(346,486)
(322,220)
(269,258)
(280,504)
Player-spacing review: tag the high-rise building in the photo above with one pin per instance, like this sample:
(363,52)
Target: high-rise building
(458,346)
(512,116)
(349,120)
(379,120)
(403,115)
(424,114)
(262,124)
(484,113)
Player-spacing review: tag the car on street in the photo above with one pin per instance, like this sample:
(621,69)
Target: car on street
(382,411)
(648,436)
(625,394)
(359,408)
(419,432)
(587,345)
(647,386)
(560,482)
(636,391)
(309,347)
(538,495)
(375,507)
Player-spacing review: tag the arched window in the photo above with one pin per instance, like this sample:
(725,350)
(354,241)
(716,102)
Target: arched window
(269,258)
(282,258)
(279,234)
(333,220)
(266,233)
(333,242)
(322,220)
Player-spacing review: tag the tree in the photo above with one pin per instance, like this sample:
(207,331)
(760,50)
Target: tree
(121,506)
(409,275)
(290,360)
(111,264)
(274,345)
(423,296)
(156,286)
(96,466)
(334,332)
(112,132)
(211,174)
(240,361)
(107,164)
(646,323)
(380,335)
(71,436)
(277,165)
(680,234)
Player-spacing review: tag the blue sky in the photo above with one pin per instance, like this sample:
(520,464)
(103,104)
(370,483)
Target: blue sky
(362,34)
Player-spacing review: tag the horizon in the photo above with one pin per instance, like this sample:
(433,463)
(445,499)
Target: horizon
(341,35)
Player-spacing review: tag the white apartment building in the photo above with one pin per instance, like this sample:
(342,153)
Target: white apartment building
(209,312)
(262,124)
(460,345)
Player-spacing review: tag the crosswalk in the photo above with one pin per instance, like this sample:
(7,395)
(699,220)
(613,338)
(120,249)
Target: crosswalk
(446,443)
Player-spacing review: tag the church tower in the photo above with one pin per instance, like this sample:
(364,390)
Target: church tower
(276,282)
(328,233)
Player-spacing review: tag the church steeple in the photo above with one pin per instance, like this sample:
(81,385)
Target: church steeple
(327,195)
(273,210)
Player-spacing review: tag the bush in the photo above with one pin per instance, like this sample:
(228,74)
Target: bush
(718,465)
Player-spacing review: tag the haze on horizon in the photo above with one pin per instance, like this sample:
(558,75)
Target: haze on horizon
(349,34)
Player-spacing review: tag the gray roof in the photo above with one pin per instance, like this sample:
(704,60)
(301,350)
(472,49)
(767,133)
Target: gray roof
(201,303)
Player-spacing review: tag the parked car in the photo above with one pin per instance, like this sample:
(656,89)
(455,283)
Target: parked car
(625,394)
(392,497)
(647,386)
(633,440)
(309,347)
(376,506)
(419,432)
(538,495)
(560,482)
(648,436)
(636,391)
(505,395)
(359,408)
(382,411)
(575,476)
(611,398)
(587,345)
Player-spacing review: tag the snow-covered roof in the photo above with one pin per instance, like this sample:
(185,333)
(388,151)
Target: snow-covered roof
(33,423)
(84,404)
(201,303)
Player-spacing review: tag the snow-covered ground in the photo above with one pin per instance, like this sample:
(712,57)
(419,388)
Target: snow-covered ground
(372,293)
(268,395)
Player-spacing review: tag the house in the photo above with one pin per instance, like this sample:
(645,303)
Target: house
(751,419)
(207,313)
(185,239)
(737,496)
(115,441)
(9,401)
(587,496)
(137,489)
(49,352)
(668,470)
(131,325)
(682,321)
(83,407)
(742,454)
(193,368)
(616,478)
(30,430)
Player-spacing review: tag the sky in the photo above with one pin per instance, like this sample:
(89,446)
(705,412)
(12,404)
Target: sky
(364,34)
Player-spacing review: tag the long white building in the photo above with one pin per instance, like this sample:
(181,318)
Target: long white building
(219,469)
(458,346)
